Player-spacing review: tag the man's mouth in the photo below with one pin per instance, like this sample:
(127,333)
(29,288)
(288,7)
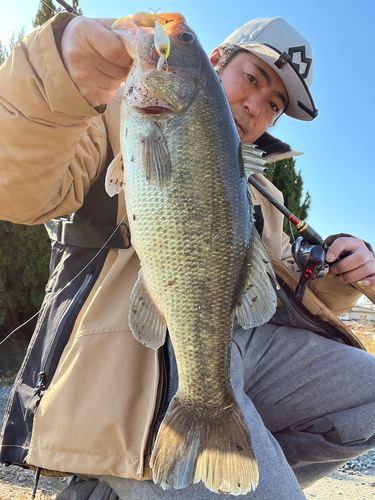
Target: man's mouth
(239,128)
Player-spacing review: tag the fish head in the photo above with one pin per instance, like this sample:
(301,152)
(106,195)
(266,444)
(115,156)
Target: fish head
(152,87)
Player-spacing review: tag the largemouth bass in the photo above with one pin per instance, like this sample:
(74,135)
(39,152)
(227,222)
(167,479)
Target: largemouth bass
(202,261)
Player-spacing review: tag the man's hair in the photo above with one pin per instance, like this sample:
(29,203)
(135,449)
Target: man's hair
(227,53)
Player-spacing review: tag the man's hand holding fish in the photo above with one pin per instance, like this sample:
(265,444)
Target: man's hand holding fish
(95,59)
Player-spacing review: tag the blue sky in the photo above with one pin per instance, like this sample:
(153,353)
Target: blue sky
(338,165)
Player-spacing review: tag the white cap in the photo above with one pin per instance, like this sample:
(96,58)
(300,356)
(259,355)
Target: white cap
(282,47)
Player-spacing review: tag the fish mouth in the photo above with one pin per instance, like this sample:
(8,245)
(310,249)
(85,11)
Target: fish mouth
(153,110)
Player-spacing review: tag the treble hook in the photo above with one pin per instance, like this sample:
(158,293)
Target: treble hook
(161,41)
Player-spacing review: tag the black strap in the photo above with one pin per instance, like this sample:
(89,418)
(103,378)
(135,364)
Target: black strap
(86,235)
(94,223)
(269,144)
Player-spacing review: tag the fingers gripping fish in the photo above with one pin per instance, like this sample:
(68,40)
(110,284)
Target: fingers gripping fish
(202,261)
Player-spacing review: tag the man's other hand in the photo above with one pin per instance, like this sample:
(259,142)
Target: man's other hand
(95,58)
(358,266)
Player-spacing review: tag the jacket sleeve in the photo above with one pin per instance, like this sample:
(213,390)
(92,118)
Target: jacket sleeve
(53,143)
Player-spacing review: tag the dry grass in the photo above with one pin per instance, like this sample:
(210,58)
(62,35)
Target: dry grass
(367,340)
(365,331)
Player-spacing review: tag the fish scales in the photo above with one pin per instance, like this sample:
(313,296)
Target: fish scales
(191,225)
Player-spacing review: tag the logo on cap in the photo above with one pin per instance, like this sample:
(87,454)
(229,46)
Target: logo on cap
(299,61)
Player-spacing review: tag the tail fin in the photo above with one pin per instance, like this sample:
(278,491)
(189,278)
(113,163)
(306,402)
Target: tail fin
(216,451)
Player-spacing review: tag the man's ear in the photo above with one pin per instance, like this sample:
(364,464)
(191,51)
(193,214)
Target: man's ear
(215,56)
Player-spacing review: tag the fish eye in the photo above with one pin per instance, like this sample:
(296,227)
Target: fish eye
(185,36)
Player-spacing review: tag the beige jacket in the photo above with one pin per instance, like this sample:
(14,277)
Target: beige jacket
(53,144)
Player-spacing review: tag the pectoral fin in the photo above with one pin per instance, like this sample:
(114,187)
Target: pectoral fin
(145,321)
(155,156)
(114,179)
(258,301)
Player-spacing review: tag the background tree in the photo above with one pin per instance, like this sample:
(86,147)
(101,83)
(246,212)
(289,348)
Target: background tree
(4,50)
(78,9)
(284,176)
(24,259)
(46,10)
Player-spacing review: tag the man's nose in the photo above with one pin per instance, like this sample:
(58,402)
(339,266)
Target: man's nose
(252,105)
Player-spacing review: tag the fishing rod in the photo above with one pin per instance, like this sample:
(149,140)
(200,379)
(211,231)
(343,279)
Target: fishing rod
(301,226)
(68,7)
(309,250)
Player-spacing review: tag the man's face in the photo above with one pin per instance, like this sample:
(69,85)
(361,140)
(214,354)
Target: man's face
(256,93)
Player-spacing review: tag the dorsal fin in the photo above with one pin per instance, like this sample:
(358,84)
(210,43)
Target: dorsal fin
(252,159)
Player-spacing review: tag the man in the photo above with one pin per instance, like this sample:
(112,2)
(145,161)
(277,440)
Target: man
(89,398)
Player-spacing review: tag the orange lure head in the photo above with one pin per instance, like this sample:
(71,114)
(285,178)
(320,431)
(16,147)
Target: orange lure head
(162,27)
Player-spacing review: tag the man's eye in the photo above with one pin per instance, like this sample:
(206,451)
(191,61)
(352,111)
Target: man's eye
(274,107)
(252,79)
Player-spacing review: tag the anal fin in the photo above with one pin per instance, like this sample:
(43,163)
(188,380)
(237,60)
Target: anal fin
(145,321)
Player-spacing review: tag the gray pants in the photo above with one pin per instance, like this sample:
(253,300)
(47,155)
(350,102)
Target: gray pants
(310,406)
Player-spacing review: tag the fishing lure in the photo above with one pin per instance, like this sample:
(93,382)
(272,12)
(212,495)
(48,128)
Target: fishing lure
(161,42)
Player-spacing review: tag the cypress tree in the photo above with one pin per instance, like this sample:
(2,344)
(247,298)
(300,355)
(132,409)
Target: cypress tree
(4,50)
(46,10)
(284,176)
(78,9)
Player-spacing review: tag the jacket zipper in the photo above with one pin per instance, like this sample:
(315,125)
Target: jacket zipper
(64,319)
(44,373)
(166,395)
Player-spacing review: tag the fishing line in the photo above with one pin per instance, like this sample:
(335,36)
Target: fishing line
(291,231)
(66,286)
(54,11)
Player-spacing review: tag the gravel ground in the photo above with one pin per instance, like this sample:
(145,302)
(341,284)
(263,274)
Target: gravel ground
(354,481)
(4,395)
